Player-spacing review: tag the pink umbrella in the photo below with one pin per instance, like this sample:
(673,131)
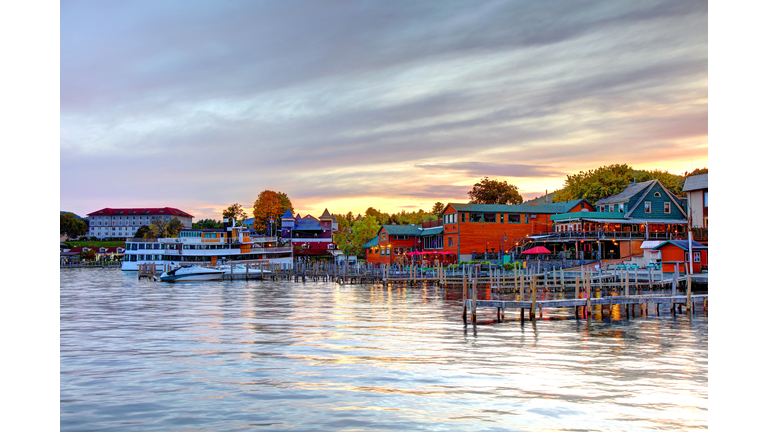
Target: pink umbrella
(538,250)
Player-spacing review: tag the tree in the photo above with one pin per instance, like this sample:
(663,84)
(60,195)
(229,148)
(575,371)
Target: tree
(87,255)
(343,238)
(70,225)
(173,228)
(363,231)
(235,211)
(161,228)
(207,224)
(270,205)
(438,208)
(494,192)
(142,232)
(609,180)
(697,171)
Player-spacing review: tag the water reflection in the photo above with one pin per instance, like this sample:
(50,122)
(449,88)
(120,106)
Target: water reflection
(137,355)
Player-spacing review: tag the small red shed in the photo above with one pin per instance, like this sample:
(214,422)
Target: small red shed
(677,251)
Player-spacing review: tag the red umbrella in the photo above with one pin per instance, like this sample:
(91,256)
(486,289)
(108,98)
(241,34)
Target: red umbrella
(538,250)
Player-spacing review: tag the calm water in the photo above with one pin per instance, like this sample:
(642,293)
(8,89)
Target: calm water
(240,355)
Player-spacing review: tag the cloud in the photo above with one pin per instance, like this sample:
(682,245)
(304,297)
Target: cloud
(218,101)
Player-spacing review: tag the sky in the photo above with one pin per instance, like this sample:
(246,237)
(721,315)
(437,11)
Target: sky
(347,105)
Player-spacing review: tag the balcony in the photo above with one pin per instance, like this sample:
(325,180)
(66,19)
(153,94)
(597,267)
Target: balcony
(608,235)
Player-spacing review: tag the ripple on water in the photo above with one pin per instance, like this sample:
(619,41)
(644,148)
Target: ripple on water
(227,355)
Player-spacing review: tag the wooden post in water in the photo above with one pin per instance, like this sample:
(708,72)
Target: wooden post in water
(464,297)
(562,279)
(688,293)
(626,283)
(578,280)
(533,298)
(589,297)
(474,301)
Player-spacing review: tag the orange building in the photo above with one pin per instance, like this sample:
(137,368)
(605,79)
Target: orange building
(473,229)
(676,251)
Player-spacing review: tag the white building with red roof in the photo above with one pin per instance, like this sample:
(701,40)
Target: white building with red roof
(123,222)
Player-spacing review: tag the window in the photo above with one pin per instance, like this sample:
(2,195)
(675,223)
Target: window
(706,199)
(697,257)
(450,241)
(475,217)
(621,208)
(462,218)
(582,204)
(611,208)
(501,217)
(667,207)
(657,194)
(527,219)
(489,217)
(647,206)
(513,218)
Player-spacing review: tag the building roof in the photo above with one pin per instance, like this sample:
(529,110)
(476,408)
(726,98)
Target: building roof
(372,242)
(287,214)
(611,217)
(410,230)
(696,182)
(683,244)
(326,215)
(552,208)
(144,211)
(564,217)
(307,223)
(628,192)
(431,231)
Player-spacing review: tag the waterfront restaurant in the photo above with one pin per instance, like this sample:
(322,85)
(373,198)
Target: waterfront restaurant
(643,211)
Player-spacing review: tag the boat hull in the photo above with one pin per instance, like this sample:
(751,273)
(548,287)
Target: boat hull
(191,274)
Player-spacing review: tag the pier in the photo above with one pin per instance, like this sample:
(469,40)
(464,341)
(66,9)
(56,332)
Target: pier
(524,289)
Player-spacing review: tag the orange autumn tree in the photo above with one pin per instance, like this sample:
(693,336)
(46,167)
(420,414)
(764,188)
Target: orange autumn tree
(270,204)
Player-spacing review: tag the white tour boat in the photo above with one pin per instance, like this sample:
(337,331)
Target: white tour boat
(206,247)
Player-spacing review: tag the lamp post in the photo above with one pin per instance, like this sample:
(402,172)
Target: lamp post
(503,239)
(271,221)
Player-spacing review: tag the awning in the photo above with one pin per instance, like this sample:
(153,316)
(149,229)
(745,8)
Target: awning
(650,244)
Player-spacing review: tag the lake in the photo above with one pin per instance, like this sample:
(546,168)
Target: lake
(318,356)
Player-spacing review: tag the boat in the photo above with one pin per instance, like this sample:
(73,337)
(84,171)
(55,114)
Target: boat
(207,247)
(191,273)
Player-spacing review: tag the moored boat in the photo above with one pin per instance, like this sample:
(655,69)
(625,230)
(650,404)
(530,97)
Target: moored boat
(191,273)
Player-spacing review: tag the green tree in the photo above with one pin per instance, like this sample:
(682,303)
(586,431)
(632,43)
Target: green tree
(173,228)
(207,224)
(87,255)
(343,238)
(494,192)
(609,180)
(697,171)
(70,225)
(161,228)
(438,208)
(235,211)
(142,232)
(364,231)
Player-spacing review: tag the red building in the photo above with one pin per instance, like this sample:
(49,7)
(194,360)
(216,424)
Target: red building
(676,251)
(474,229)
(401,244)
